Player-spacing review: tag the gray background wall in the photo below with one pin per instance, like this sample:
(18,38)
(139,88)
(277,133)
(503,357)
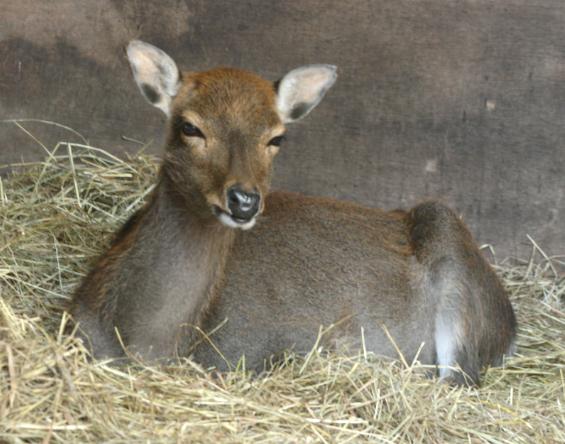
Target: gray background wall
(462,100)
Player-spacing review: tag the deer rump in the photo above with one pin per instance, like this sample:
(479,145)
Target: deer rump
(217,268)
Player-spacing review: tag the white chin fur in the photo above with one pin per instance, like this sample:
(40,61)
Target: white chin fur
(229,222)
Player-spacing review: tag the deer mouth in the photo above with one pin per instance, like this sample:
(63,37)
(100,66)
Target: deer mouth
(229,220)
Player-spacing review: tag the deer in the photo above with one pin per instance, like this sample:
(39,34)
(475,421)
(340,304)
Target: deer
(218,269)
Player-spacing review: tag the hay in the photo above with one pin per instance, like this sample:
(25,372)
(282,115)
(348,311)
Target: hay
(57,215)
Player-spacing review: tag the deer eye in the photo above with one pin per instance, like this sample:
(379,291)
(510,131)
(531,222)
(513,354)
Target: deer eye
(188,129)
(276,141)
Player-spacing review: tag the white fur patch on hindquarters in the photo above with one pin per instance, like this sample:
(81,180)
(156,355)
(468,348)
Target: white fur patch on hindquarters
(447,339)
(512,349)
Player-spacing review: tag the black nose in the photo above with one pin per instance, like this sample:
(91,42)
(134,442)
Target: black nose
(243,205)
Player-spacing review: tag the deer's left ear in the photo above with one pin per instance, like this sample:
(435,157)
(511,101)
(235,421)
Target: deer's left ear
(302,89)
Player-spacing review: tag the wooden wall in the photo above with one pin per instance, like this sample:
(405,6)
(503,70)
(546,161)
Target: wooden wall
(462,100)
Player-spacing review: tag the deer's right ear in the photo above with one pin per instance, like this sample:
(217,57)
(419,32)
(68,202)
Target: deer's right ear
(155,73)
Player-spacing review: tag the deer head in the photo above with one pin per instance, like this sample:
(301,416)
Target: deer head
(225,127)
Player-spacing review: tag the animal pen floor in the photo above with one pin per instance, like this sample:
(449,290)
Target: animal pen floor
(57,215)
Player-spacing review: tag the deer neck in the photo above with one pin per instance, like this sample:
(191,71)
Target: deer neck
(193,254)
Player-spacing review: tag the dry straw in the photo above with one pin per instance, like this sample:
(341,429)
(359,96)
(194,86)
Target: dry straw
(57,215)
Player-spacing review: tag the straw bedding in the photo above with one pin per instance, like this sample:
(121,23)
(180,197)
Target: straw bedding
(56,216)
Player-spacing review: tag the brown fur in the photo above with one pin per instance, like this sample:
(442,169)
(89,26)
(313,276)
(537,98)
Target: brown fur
(175,270)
